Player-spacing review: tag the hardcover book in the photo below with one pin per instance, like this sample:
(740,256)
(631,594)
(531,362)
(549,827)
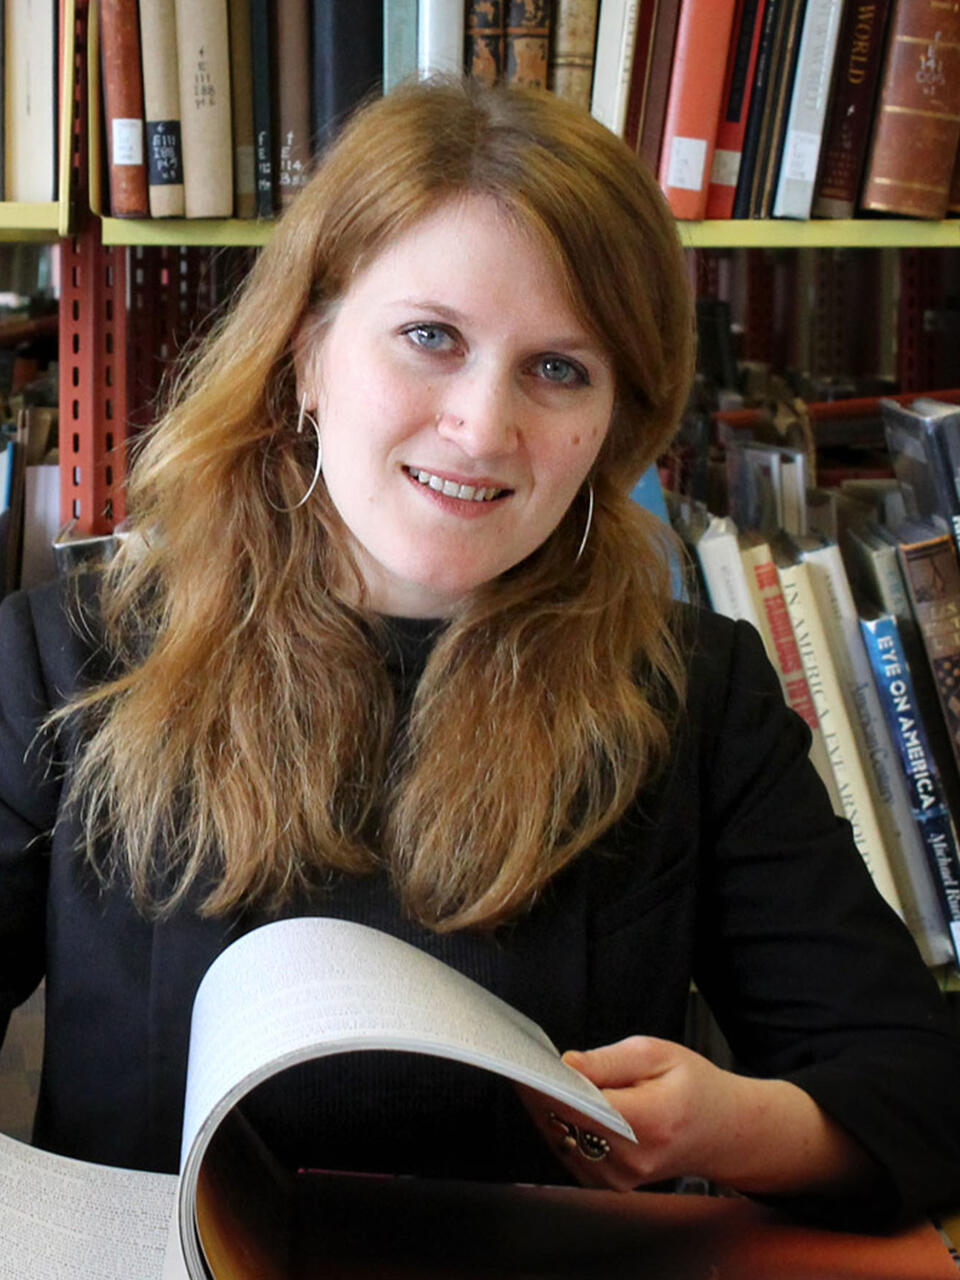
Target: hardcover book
(485,38)
(123,108)
(735,104)
(527,42)
(574,43)
(264,127)
(917,121)
(693,105)
(616,33)
(850,115)
(347,60)
(291,78)
(440,34)
(203,53)
(241,103)
(161,99)
(399,42)
(661,62)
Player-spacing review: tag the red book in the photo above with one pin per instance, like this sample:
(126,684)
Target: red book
(735,104)
(693,104)
(123,108)
(640,71)
(658,85)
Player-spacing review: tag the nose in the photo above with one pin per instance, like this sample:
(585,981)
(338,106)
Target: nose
(479,416)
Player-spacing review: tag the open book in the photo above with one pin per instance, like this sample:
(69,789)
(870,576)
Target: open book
(286,993)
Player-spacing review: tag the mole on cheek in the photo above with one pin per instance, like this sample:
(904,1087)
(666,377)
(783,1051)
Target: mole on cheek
(576,441)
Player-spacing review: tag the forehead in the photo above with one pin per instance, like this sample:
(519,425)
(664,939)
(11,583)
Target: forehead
(468,248)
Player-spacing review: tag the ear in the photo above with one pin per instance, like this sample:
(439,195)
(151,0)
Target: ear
(306,349)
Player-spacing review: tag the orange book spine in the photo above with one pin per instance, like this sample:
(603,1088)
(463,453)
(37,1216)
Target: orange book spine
(123,107)
(693,105)
(734,106)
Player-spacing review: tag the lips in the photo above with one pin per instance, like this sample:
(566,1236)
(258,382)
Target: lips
(454,488)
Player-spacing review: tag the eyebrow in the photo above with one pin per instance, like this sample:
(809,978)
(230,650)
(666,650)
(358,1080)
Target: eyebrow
(580,342)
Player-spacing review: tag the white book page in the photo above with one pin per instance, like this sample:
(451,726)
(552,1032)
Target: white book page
(61,1218)
(304,988)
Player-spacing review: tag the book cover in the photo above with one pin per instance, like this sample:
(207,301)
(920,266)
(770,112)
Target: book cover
(440,35)
(718,552)
(693,105)
(292,88)
(808,109)
(916,440)
(616,32)
(485,40)
(30,100)
(932,576)
(526,54)
(123,108)
(161,100)
(203,54)
(264,129)
(347,60)
(650,140)
(399,42)
(917,120)
(796,580)
(918,768)
(849,118)
(735,104)
(574,43)
(241,105)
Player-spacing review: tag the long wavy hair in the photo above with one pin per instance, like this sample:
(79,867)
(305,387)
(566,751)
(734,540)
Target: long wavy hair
(245,743)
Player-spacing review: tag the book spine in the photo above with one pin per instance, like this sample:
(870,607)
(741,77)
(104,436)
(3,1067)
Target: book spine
(203,54)
(440,32)
(838,734)
(841,623)
(292,81)
(484,59)
(735,104)
(770,152)
(932,575)
(917,123)
(616,33)
(918,768)
(808,110)
(650,142)
(241,88)
(755,114)
(347,61)
(123,108)
(693,107)
(399,42)
(847,131)
(640,71)
(161,99)
(527,43)
(261,67)
(776,630)
(724,574)
(574,43)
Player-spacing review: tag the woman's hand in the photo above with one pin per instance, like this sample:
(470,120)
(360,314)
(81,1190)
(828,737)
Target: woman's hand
(692,1117)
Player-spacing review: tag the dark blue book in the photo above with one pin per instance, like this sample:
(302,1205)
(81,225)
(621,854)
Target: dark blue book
(261,42)
(927,799)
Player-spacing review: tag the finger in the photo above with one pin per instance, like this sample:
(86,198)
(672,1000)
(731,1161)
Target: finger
(624,1063)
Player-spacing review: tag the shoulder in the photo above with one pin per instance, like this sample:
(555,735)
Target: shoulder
(725,659)
(51,638)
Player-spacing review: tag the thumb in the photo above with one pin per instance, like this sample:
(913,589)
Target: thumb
(617,1066)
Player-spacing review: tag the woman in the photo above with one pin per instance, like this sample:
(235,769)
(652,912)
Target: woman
(391,642)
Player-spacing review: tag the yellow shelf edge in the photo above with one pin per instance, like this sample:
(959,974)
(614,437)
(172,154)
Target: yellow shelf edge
(185,231)
(782,233)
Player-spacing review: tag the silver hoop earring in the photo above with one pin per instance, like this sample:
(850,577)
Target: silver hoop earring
(586,530)
(304,413)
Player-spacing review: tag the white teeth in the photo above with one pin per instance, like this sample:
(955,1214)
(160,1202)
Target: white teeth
(451,489)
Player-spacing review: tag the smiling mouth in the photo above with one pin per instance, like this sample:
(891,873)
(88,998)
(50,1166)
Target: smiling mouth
(452,489)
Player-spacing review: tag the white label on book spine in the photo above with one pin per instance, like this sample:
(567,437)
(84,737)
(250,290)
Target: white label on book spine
(802,154)
(726,167)
(127,141)
(688,156)
(246,170)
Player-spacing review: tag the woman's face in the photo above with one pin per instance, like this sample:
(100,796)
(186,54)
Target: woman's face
(461,404)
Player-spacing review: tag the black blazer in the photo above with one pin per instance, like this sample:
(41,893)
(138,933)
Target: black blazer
(730,871)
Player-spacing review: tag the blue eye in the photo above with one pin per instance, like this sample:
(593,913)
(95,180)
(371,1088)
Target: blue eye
(429,337)
(563,372)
